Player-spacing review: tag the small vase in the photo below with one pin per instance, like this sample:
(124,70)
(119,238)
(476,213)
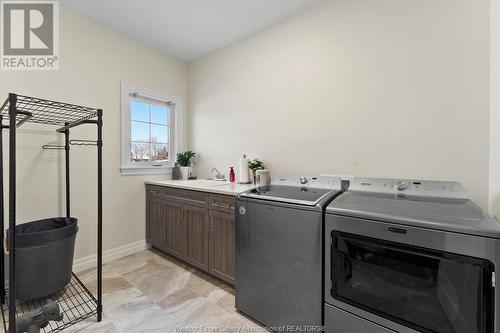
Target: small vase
(185,172)
(176,172)
(254,176)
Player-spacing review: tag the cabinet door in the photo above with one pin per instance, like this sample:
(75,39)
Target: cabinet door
(197,236)
(222,246)
(176,230)
(156,224)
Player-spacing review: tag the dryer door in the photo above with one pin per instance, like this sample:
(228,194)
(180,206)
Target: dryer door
(420,288)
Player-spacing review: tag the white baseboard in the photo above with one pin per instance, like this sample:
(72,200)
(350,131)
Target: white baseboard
(110,255)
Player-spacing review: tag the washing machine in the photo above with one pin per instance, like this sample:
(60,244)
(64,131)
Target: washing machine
(279,257)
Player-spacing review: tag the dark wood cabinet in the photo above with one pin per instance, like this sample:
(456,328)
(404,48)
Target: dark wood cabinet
(221,203)
(197,237)
(176,229)
(156,226)
(193,226)
(222,246)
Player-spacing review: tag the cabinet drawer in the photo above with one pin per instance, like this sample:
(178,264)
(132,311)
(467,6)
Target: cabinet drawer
(156,191)
(188,197)
(222,203)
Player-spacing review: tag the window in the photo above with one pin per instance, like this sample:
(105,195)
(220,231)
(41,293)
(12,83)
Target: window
(149,129)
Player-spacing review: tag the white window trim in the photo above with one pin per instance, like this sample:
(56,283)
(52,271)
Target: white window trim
(131,169)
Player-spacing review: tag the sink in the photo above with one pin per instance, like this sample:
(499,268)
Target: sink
(216,180)
(203,182)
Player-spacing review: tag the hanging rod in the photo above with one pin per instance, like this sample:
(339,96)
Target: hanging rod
(83,142)
(53,147)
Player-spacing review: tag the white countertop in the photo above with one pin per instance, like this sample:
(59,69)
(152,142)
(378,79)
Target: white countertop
(204,185)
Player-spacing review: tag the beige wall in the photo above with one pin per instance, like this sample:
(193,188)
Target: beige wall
(93,61)
(495,108)
(386,88)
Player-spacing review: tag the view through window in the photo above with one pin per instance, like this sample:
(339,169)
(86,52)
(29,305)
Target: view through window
(149,131)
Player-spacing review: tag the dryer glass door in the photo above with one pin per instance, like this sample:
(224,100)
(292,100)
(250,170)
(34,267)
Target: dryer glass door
(426,290)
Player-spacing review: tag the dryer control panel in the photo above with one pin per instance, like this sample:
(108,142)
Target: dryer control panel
(427,188)
(325,182)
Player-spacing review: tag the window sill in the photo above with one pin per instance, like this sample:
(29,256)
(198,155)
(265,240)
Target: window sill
(145,171)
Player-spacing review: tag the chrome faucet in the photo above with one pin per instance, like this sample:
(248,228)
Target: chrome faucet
(218,176)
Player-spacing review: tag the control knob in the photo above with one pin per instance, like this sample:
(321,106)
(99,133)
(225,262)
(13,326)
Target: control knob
(303,180)
(401,186)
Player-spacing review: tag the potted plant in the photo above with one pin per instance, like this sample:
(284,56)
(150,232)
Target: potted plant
(184,162)
(255,165)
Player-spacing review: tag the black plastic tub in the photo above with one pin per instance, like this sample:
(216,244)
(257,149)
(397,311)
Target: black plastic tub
(44,256)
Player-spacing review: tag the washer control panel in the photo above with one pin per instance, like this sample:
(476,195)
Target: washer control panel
(428,188)
(326,182)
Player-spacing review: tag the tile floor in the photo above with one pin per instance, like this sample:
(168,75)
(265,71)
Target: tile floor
(152,292)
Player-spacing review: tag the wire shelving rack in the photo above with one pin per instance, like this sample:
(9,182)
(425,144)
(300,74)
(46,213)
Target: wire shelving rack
(76,301)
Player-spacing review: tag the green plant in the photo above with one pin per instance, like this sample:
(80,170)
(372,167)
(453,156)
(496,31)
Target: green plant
(255,164)
(184,158)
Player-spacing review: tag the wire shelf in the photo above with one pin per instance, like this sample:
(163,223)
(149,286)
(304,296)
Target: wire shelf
(44,111)
(75,301)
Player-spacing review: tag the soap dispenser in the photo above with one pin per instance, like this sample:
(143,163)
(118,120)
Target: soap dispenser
(231,174)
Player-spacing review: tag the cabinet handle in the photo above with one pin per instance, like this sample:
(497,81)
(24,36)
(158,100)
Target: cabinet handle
(185,216)
(160,211)
(221,204)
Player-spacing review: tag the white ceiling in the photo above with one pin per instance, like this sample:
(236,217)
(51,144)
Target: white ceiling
(186,29)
